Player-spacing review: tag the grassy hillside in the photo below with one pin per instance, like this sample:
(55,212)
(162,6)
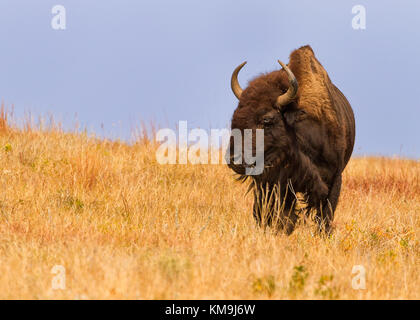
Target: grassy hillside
(124,226)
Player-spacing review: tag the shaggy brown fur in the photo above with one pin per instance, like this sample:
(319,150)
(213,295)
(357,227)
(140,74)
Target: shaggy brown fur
(307,143)
(314,84)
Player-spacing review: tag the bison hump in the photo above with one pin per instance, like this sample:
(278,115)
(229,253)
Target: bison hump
(315,87)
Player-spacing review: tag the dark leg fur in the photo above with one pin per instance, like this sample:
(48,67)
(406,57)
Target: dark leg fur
(273,207)
(326,209)
(289,217)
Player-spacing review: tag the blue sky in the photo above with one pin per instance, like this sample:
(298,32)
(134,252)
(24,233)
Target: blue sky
(122,62)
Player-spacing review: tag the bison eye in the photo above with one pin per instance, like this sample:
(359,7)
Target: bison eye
(268,122)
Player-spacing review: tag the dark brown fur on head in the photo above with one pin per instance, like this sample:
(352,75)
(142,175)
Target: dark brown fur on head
(307,143)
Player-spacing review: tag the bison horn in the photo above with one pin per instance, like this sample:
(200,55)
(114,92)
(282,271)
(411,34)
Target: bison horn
(287,97)
(236,88)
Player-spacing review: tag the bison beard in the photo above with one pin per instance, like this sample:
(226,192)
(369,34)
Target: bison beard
(309,133)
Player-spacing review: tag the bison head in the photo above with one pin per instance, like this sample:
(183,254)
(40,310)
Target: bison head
(269,104)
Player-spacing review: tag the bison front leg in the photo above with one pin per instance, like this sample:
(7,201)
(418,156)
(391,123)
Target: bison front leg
(326,209)
(274,208)
(288,215)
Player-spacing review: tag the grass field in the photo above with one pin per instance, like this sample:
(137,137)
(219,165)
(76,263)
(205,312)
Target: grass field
(123,226)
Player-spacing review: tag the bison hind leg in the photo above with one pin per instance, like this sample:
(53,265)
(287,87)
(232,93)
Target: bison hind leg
(326,209)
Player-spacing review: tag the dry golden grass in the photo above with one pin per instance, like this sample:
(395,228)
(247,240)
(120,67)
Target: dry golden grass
(124,226)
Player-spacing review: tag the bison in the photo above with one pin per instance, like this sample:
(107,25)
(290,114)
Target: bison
(309,132)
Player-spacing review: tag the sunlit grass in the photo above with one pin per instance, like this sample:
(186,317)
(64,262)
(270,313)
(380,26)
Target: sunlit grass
(124,226)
